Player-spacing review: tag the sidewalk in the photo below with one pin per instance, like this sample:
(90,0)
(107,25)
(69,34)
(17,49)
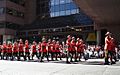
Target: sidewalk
(50,68)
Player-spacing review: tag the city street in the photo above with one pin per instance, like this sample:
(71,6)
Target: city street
(89,67)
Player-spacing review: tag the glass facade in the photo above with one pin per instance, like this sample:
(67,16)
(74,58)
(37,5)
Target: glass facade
(62,8)
(55,8)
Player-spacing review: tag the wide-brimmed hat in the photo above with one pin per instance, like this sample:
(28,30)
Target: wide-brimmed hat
(68,36)
(108,33)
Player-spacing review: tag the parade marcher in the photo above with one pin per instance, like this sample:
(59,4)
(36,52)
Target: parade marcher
(44,50)
(113,48)
(57,50)
(15,51)
(27,52)
(68,48)
(4,50)
(73,48)
(34,50)
(21,49)
(39,50)
(53,49)
(78,44)
(49,44)
(9,51)
(107,48)
(82,50)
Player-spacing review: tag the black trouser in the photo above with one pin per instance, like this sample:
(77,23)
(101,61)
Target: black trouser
(70,54)
(78,54)
(44,54)
(15,54)
(27,54)
(21,54)
(114,56)
(4,54)
(107,56)
(50,54)
(35,53)
(9,54)
(57,54)
(39,55)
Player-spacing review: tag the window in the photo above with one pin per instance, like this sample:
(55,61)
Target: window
(62,13)
(63,7)
(55,8)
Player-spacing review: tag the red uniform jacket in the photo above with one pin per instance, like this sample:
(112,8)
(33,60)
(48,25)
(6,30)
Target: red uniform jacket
(57,47)
(49,47)
(4,48)
(113,46)
(52,47)
(68,43)
(15,49)
(43,47)
(78,46)
(82,46)
(9,48)
(26,47)
(21,47)
(39,48)
(34,48)
(73,45)
(108,44)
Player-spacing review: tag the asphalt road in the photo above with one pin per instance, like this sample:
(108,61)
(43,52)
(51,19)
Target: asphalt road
(89,67)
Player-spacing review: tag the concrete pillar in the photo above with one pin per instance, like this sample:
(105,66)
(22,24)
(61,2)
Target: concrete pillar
(98,37)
